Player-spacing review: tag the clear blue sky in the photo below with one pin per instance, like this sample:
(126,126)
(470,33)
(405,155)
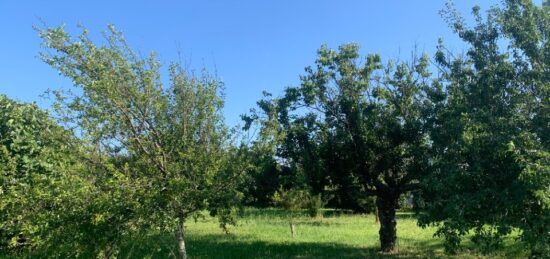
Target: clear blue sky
(254,45)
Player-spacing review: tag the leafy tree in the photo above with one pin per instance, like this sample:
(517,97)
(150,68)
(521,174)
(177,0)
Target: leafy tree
(314,204)
(489,131)
(43,192)
(165,144)
(291,200)
(354,128)
(266,175)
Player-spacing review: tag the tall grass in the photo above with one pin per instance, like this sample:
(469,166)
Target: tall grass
(265,233)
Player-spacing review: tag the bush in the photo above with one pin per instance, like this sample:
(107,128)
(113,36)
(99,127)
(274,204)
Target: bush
(314,204)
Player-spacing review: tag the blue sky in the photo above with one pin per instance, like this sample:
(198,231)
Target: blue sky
(253,45)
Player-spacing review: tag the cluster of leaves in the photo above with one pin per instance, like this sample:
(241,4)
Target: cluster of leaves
(44,192)
(295,200)
(292,200)
(489,128)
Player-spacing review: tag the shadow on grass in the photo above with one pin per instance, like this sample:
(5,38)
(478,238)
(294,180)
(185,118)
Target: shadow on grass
(228,246)
(218,246)
(433,248)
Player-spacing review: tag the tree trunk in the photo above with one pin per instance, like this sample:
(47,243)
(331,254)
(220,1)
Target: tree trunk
(386,212)
(292,230)
(376,220)
(180,234)
(107,252)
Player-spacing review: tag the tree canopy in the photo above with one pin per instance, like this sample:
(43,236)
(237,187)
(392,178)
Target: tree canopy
(490,130)
(468,134)
(43,188)
(167,145)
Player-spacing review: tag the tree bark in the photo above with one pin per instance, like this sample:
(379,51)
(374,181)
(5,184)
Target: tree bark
(180,234)
(292,230)
(387,204)
(107,252)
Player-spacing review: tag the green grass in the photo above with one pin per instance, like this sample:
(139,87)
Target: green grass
(265,233)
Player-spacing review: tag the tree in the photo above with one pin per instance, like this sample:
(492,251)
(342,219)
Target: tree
(489,131)
(292,200)
(266,175)
(43,191)
(166,145)
(354,128)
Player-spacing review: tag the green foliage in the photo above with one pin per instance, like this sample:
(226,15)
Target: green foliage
(294,200)
(291,200)
(489,130)
(43,192)
(352,127)
(266,172)
(160,152)
(264,175)
(314,204)
(406,202)
(138,156)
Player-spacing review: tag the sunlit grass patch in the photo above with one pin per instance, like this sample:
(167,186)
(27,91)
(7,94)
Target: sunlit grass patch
(265,233)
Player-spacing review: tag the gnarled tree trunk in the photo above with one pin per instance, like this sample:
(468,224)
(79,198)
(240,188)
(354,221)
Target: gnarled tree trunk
(387,205)
(180,234)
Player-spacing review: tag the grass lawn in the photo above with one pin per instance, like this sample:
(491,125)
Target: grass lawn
(265,233)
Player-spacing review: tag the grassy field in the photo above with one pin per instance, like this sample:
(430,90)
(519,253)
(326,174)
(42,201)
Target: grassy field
(265,233)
